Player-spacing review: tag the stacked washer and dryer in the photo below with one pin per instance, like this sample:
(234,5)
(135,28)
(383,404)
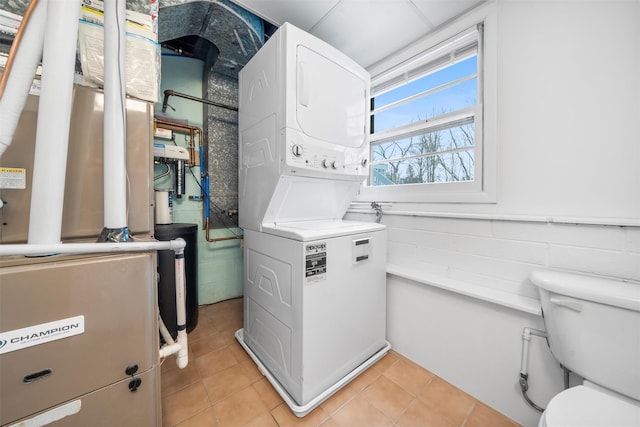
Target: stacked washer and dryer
(314,286)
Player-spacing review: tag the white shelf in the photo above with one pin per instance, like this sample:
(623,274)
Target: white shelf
(516,302)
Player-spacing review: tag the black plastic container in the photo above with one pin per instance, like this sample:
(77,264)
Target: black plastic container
(167,278)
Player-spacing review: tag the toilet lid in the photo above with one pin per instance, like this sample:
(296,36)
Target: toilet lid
(583,406)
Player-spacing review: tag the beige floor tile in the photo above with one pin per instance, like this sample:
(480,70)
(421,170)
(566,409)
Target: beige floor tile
(238,351)
(408,375)
(227,321)
(222,387)
(329,422)
(267,393)
(388,397)
(239,408)
(447,400)
(203,329)
(205,310)
(285,418)
(229,336)
(481,415)
(387,361)
(215,361)
(360,382)
(205,345)
(177,379)
(359,412)
(224,383)
(205,418)
(168,364)
(184,404)
(251,371)
(339,399)
(264,420)
(420,415)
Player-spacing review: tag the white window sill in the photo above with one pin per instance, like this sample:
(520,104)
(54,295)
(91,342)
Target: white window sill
(516,302)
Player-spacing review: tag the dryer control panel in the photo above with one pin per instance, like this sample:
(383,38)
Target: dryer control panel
(308,157)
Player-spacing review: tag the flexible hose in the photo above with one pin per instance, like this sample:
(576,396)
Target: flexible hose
(524,386)
(527,333)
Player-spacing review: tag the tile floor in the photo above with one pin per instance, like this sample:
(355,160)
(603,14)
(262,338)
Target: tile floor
(221,387)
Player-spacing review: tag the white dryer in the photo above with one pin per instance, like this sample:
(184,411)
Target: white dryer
(314,285)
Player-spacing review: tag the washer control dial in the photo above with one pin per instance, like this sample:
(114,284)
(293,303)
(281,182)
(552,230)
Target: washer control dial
(297,150)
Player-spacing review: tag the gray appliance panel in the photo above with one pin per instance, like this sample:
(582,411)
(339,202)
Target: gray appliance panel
(83,198)
(114,405)
(115,294)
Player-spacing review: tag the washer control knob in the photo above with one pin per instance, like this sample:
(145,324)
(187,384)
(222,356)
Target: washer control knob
(297,150)
(333,165)
(325,164)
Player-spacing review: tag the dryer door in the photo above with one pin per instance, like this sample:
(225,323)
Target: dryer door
(331,101)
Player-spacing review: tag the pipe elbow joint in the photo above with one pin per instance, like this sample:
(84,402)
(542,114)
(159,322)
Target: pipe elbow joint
(178,244)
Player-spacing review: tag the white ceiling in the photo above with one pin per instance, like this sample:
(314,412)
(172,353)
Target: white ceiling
(365,30)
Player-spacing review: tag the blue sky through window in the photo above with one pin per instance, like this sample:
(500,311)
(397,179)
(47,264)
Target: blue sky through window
(454,98)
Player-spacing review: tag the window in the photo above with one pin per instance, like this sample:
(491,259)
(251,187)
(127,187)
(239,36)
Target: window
(434,118)
(425,113)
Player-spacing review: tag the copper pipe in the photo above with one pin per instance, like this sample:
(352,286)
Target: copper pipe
(219,239)
(191,130)
(177,127)
(192,145)
(169,92)
(15,45)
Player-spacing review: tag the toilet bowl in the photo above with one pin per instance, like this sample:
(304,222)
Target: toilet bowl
(590,405)
(593,330)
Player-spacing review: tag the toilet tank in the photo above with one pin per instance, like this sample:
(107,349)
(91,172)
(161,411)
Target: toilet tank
(593,327)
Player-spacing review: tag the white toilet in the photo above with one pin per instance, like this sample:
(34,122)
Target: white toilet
(593,327)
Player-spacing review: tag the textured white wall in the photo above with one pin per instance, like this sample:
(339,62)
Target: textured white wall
(568,149)
(568,109)
(473,344)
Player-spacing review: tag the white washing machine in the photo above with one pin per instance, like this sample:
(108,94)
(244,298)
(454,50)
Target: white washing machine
(315,285)
(315,306)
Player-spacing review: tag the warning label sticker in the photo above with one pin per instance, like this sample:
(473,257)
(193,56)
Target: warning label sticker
(15,178)
(315,261)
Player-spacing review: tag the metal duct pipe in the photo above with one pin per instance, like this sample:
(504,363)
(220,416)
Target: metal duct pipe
(54,116)
(115,173)
(24,57)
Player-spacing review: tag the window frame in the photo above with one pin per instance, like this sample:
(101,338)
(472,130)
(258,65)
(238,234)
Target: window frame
(483,188)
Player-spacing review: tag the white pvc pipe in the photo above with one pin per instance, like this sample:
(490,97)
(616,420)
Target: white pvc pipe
(180,348)
(89,248)
(164,331)
(115,174)
(170,349)
(182,359)
(526,338)
(26,61)
(54,115)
